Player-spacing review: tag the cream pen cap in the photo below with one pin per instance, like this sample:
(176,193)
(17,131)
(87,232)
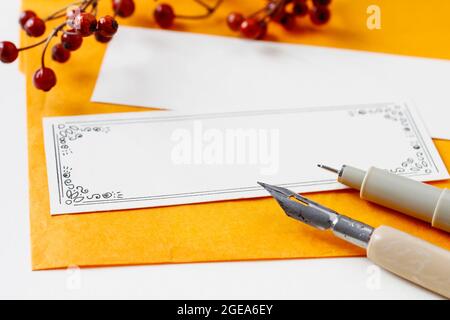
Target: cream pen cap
(405,195)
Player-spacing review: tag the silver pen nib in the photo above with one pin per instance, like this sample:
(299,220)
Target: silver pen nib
(301,208)
(329,168)
(320,217)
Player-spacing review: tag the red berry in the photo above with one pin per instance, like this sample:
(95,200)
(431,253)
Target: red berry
(321,3)
(320,15)
(107,26)
(234,21)
(60,54)
(8,52)
(25,15)
(34,27)
(250,28)
(71,40)
(123,8)
(44,79)
(300,8)
(164,15)
(85,24)
(288,21)
(100,37)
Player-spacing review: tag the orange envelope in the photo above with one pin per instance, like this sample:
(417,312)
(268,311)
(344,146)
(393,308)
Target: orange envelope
(221,231)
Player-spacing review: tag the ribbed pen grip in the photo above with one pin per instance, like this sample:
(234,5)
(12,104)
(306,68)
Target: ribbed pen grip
(411,258)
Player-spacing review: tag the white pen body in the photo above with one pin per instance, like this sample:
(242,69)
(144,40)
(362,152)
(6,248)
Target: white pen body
(411,258)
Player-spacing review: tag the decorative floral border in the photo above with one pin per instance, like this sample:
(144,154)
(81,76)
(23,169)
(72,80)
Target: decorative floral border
(417,162)
(73,193)
(76,193)
(67,134)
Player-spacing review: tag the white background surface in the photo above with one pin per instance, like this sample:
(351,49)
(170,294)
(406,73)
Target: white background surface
(294,279)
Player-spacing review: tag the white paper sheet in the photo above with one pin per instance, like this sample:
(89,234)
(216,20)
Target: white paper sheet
(160,158)
(197,73)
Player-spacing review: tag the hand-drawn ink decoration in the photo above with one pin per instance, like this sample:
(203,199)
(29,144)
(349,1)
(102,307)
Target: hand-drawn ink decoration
(417,162)
(75,194)
(68,134)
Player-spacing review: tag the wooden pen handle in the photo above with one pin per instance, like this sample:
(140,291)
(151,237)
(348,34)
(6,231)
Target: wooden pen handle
(411,258)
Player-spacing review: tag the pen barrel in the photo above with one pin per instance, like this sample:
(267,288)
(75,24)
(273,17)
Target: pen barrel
(411,258)
(411,197)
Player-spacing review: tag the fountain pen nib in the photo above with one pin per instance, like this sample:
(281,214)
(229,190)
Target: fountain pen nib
(320,217)
(275,191)
(301,208)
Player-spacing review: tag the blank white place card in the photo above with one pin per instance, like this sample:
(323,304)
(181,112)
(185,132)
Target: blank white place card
(160,158)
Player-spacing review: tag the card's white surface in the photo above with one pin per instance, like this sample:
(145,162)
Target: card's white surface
(197,73)
(160,158)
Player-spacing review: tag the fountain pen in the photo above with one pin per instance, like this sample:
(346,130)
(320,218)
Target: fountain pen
(409,257)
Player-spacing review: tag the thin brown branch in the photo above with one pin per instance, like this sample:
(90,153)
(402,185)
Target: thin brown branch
(270,10)
(62,12)
(32,46)
(210,10)
(203,4)
(47,41)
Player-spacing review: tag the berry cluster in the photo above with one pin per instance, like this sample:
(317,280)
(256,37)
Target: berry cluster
(164,13)
(80,21)
(284,12)
(254,26)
